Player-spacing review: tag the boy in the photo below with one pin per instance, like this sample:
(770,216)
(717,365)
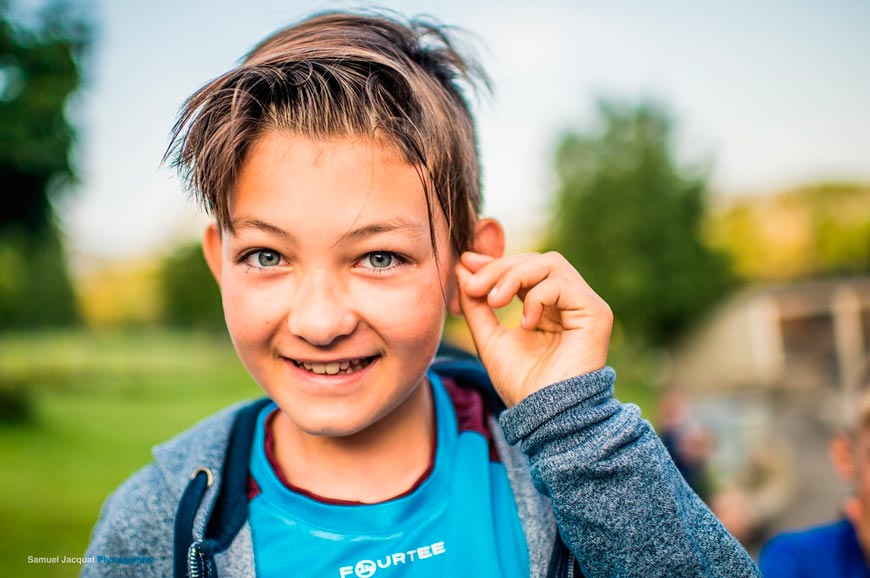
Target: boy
(339,161)
(840,549)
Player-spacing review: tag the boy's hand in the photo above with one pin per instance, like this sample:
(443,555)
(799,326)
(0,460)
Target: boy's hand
(565,329)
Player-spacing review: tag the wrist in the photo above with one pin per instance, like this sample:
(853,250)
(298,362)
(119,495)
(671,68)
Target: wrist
(588,389)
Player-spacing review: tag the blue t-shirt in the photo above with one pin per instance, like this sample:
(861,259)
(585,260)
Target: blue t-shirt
(460,521)
(830,551)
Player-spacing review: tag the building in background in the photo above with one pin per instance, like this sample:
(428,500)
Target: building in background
(767,373)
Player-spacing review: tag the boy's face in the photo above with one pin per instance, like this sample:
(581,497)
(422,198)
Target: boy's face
(330,287)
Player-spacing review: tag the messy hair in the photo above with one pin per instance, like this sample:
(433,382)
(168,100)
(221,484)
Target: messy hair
(342,74)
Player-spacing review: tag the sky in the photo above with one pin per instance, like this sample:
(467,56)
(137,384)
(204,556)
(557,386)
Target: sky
(767,94)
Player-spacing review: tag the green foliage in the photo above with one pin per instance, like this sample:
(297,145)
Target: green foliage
(840,217)
(628,218)
(39,71)
(35,289)
(190,295)
(16,403)
(818,230)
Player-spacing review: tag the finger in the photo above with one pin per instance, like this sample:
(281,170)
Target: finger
(525,274)
(540,296)
(552,292)
(474,261)
(500,279)
(486,274)
(518,280)
(480,317)
(564,296)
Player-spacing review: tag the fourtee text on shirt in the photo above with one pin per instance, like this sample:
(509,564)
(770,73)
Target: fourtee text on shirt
(367,568)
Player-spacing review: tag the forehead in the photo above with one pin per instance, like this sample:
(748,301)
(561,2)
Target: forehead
(325,184)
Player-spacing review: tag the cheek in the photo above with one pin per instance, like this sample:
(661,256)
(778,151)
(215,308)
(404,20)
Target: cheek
(411,312)
(250,313)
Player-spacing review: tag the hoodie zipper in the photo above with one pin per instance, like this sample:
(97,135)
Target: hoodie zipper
(200,561)
(562,562)
(194,561)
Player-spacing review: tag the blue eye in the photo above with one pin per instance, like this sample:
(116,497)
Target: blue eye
(380,259)
(266,258)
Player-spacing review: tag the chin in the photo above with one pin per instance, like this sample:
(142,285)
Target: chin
(334,432)
(334,425)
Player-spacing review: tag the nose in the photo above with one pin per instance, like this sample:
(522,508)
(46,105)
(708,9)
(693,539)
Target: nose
(319,311)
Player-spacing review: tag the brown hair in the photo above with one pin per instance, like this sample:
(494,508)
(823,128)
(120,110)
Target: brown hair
(342,74)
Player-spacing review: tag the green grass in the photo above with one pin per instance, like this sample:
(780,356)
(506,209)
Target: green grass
(100,402)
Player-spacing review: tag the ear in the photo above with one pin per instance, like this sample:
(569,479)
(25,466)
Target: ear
(488,240)
(212,249)
(840,453)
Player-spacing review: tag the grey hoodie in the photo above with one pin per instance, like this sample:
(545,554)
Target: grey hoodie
(589,464)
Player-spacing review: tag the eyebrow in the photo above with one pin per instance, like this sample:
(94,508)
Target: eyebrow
(397,224)
(262,226)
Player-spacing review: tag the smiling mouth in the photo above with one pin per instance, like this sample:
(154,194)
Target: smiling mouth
(344,367)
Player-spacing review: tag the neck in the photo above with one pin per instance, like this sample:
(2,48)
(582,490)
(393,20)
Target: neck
(386,459)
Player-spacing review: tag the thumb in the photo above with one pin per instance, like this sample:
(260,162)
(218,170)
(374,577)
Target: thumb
(480,317)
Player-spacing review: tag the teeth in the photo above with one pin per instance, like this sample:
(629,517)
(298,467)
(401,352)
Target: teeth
(335,367)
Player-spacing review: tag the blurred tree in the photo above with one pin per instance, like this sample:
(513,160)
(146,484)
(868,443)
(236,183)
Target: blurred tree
(629,219)
(35,290)
(39,71)
(122,294)
(812,231)
(190,294)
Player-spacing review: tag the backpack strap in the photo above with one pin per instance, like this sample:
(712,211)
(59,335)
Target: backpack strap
(230,509)
(467,371)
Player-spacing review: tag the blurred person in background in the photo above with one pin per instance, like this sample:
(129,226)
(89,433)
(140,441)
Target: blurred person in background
(756,495)
(840,549)
(747,493)
(688,441)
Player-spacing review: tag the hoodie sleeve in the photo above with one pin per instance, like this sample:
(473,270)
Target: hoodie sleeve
(133,537)
(620,503)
